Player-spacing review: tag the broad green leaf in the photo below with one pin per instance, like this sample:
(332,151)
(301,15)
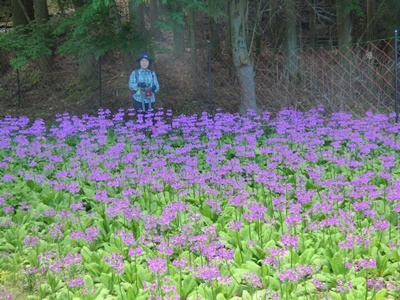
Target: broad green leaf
(381,294)
(337,264)
(358,281)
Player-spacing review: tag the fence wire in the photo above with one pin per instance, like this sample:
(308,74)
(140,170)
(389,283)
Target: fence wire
(355,78)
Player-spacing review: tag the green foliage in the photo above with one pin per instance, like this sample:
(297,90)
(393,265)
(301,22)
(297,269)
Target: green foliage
(27,42)
(90,30)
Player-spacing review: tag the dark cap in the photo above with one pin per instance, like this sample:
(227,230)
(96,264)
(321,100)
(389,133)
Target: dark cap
(144,55)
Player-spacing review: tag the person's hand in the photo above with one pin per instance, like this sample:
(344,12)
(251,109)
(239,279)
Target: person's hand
(141,84)
(153,88)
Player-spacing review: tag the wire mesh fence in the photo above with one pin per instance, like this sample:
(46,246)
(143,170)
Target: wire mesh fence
(355,78)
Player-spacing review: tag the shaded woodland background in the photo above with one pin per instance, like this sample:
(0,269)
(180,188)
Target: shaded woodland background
(77,56)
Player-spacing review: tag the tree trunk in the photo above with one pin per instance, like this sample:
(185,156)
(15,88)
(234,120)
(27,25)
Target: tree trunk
(241,58)
(22,12)
(344,28)
(41,11)
(292,62)
(42,16)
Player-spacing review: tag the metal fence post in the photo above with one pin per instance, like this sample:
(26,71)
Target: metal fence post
(396,75)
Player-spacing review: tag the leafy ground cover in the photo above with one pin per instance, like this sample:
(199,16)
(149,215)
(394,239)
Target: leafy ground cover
(301,206)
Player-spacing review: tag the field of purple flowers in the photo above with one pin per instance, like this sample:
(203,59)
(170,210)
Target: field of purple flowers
(299,206)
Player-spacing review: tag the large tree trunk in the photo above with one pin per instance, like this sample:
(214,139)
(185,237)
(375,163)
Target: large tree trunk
(42,16)
(41,11)
(22,12)
(344,28)
(292,62)
(241,58)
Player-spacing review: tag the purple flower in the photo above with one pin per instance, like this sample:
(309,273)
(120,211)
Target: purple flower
(116,261)
(31,240)
(8,209)
(235,225)
(289,240)
(77,282)
(180,263)
(135,251)
(6,296)
(157,265)
(207,272)
(72,259)
(8,177)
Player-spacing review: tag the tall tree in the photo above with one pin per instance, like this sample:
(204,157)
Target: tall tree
(344,24)
(344,29)
(292,63)
(42,16)
(241,57)
(41,10)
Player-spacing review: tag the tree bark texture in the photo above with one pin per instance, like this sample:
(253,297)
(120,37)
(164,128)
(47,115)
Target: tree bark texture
(292,62)
(241,58)
(344,28)
(41,11)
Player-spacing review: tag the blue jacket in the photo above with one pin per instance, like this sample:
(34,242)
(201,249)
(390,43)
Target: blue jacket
(149,78)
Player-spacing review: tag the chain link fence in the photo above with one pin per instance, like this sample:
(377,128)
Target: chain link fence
(355,78)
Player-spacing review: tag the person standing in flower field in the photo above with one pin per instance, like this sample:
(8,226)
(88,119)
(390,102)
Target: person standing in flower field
(143,84)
